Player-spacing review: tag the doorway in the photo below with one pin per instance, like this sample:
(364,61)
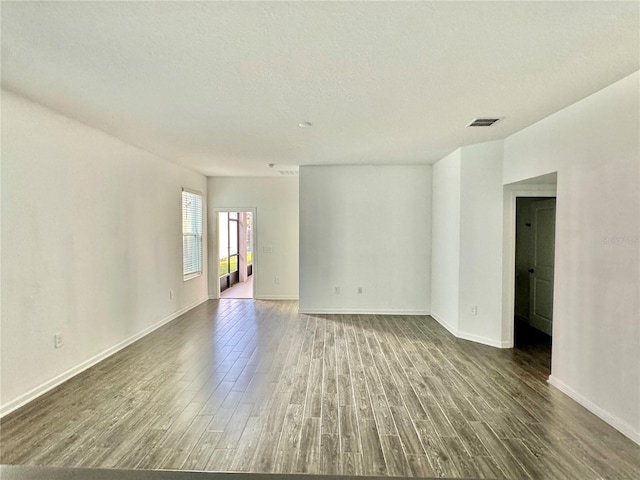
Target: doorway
(534,272)
(235,253)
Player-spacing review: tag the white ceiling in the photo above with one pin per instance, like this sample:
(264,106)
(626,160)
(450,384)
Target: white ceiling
(220,87)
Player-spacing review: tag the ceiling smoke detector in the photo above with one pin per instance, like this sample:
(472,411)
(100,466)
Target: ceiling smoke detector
(483,122)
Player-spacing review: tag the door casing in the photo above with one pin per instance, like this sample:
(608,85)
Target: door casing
(214,255)
(511,193)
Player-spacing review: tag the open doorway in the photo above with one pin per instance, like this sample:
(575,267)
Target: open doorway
(534,272)
(235,245)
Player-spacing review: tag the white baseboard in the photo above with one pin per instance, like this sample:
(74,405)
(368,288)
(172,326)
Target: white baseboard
(72,372)
(469,336)
(620,425)
(483,340)
(356,311)
(450,328)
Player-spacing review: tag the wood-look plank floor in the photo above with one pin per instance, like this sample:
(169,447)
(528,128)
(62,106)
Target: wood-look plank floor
(238,385)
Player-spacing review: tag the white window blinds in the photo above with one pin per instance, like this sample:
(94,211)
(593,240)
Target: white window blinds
(191,234)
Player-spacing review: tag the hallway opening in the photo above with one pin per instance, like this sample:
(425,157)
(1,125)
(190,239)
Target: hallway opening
(235,260)
(534,274)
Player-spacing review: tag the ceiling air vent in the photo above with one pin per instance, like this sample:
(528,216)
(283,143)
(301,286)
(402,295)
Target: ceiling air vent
(483,122)
(288,173)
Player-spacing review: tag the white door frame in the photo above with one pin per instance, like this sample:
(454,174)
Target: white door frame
(511,193)
(215,254)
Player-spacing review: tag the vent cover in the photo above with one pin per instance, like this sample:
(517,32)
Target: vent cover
(483,122)
(289,173)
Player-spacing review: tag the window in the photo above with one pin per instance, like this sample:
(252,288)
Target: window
(249,224)
(191,234)
(228,232)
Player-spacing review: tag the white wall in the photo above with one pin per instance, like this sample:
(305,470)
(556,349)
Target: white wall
(365,226)
(92,244)
(481,221)
(445,246)
(594,147)
(276,225)
(467,242)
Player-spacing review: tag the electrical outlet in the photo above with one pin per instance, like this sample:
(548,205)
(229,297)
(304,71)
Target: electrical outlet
(276,280)
(359,289)
(474,309)
(171,294)
(57,340)
(336,289)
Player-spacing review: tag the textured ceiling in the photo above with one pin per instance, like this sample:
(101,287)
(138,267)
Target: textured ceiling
(220,87)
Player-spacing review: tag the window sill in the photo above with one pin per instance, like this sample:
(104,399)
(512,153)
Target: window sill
(191,276)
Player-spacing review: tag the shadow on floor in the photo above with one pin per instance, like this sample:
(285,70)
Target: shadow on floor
(533,343)
(527,336)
